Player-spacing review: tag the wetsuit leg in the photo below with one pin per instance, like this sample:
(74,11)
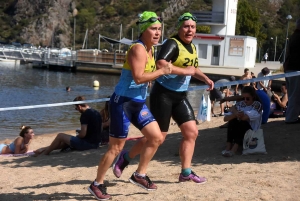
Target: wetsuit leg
(161,106)
(183,112)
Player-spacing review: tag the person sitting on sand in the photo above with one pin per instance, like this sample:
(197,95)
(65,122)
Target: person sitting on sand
(89,135)
(21,144)
(217,94)
(264,84)
(279,105)
(246,76)
(253,84)
(245,115)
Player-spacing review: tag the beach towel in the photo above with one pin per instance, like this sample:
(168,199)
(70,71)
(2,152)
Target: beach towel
(29,153)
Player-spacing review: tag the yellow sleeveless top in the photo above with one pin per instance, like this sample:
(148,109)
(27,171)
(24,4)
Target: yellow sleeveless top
(180,83)
(185,58)
(150,66)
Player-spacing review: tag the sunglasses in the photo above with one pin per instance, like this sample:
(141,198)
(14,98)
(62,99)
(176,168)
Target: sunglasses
(184,18)
(151,19)
(246,98)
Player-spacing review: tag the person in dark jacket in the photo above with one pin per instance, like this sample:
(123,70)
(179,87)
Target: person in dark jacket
(292,64)
(89,136)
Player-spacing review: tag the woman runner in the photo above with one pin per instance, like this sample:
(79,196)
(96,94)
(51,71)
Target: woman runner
(168,97)
(127,105)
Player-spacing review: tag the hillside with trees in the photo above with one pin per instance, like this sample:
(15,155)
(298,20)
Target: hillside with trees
(52,22)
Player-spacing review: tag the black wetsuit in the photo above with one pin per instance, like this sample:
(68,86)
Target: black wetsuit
(166,103)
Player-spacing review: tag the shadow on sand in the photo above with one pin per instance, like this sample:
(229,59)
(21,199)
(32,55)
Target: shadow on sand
(282,143)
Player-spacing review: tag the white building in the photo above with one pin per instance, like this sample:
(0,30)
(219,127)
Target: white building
(222,47)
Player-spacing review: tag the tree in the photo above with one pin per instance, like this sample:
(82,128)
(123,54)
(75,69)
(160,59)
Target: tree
(86,19)
(203,29)
(248,20)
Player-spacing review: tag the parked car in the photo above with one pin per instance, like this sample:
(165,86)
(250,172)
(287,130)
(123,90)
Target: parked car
(27,45)
(18,45)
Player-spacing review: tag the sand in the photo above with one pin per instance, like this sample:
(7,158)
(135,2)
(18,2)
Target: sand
(66,176)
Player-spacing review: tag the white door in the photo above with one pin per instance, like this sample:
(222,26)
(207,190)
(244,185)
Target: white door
(215,56)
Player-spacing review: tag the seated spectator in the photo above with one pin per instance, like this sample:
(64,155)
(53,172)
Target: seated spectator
(264,100)
(245,115)
(220,92)
(89,135)
(253,84)
(265,84)
(246,76)
(21,144)
(279,105)
(105,123)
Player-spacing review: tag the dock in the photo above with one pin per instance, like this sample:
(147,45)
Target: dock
(95,61)
(65,59)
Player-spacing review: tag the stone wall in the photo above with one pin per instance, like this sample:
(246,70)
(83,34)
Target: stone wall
(49,21)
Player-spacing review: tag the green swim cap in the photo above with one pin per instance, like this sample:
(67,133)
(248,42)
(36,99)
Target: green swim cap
(184,17)
(148,18)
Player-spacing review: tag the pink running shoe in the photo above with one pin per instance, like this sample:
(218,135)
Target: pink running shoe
(120,164)
(192,177)
(99,192)
(143,182)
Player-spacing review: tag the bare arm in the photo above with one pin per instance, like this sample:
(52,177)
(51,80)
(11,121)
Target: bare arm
(282,103)
(269,84)
(190,70)
(137,59)
(18,146)
(230,117)
(231,98)
(227,92)
(233,114)
(201,76)
(254,85)
(262,85)
(236,88)
(83,130)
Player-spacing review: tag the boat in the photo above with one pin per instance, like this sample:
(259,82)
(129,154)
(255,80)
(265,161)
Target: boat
(9,60)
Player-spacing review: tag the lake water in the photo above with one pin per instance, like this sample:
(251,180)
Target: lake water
(22,85)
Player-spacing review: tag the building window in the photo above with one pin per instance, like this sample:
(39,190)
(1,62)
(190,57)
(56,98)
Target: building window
(236,47)
(248,54)
(202,53)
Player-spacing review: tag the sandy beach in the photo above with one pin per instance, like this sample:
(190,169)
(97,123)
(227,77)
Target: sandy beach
(66,176)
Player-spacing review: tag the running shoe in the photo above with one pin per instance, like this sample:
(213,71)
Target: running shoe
(120,164)
(143,182)
(66,149)
(99,192)
(192,177)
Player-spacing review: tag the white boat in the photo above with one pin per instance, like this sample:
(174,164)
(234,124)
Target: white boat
(9,60)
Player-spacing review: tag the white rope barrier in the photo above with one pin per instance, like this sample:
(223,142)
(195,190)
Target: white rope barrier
(291,74)
(224,84)
(53,104)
